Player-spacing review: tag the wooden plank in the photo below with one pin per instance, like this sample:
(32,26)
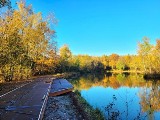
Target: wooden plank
(25,103)
(60,92)
(60,86)
(41,114)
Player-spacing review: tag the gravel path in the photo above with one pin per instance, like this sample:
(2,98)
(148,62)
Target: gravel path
(61,108)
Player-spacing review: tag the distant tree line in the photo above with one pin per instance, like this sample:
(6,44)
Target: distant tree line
(78,63)
(147,60)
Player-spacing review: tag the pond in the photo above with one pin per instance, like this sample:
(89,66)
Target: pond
(121,96)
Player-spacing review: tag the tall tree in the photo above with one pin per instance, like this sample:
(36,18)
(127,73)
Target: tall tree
(65,57)
(24,42)
(145,52)
(113,60)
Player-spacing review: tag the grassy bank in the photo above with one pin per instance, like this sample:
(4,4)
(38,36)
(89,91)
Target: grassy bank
(88,112)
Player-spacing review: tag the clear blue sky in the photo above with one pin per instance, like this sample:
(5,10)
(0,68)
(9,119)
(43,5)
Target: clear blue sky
(98,27)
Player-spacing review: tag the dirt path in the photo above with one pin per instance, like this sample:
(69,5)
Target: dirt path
(61,108)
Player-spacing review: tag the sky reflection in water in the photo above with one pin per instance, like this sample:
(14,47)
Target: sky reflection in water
(121,96)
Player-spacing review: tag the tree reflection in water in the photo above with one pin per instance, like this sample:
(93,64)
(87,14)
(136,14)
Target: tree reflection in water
(123,90)
(150,98)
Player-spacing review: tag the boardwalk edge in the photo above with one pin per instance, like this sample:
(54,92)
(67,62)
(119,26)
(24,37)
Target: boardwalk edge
(40,117)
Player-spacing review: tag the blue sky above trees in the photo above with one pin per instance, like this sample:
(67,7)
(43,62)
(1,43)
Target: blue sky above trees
(98,27)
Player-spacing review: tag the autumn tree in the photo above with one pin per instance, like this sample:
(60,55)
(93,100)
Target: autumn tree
(121,64)
(145,53)
(24,42)
(75,64)
(135,63)
(65,57)
(113,60)
(88,63)
(156,58)
(105,62)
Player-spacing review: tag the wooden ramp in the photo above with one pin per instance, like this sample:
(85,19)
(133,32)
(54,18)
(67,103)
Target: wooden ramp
(60,86)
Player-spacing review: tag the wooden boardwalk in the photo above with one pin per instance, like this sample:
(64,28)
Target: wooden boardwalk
(60,86)
(25,103)
(28,102)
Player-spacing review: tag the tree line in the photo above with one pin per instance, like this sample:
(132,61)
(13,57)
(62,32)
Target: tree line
(146,61)
(28,48)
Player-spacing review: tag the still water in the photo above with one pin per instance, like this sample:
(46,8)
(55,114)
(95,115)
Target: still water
(121,96)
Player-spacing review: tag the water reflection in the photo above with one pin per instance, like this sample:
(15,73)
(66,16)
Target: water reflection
(121,96)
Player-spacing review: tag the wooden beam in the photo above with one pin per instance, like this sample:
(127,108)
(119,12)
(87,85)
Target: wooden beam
(60,92)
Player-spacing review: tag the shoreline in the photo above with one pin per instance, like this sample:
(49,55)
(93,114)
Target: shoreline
(146,76)
(126,71)
(88,112)
(62,108)
(70,106)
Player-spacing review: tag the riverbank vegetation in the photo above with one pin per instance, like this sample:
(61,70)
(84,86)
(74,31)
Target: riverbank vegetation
(85,109)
